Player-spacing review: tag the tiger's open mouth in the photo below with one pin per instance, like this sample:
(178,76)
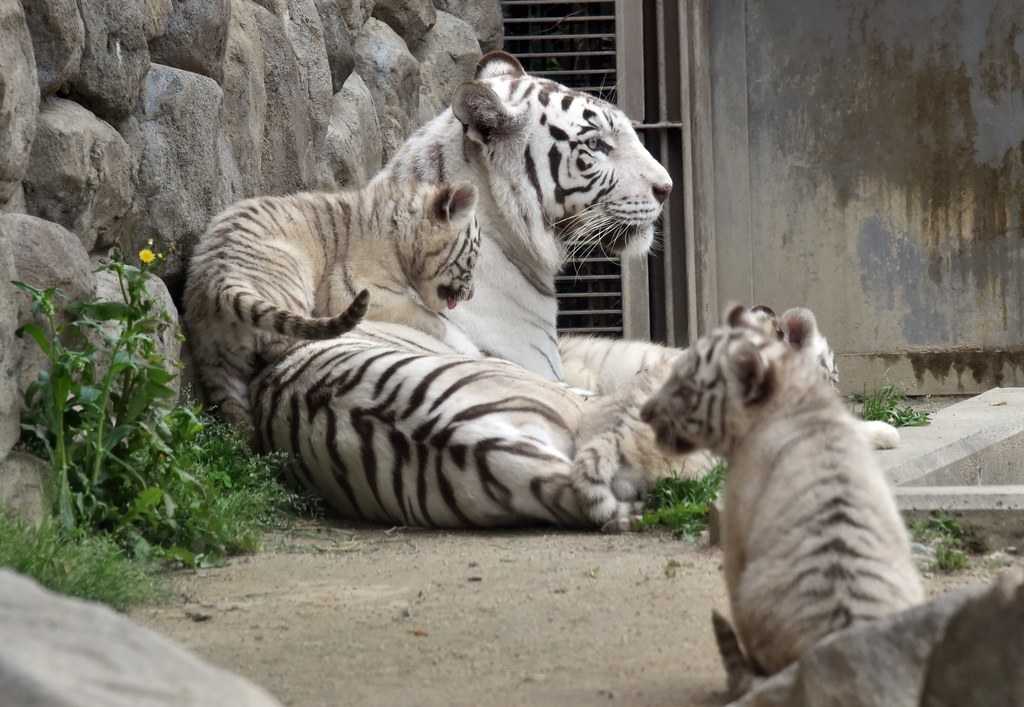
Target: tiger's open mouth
(454,295)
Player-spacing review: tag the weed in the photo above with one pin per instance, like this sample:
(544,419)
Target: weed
(682,504)
(74,563)
(948,539)
(884,405)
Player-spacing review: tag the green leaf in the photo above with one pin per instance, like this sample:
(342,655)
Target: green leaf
(103,311)
(41,338)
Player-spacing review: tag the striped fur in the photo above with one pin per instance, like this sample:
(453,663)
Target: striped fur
(812,537)
(558,171)
(421,436)
(273,269)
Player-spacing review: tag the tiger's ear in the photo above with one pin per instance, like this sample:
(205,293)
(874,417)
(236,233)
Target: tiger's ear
(734,314)
(456,204)
(484,116)
(751,371)
(798,327)
(494,64)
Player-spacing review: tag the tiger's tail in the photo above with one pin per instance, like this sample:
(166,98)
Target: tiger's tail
(741,676)
(272,318)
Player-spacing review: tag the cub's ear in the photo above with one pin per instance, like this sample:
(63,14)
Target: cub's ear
(733,315)
(484,116)
(456,204)
(494,64)
(765,317)
(751,371)
(798,327)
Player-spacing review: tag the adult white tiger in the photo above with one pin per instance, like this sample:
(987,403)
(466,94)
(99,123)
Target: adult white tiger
(555,168)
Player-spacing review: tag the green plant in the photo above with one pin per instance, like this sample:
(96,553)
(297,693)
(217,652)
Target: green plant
(124,454)
(77,564)
(682,504)
(948,539)
(884,405)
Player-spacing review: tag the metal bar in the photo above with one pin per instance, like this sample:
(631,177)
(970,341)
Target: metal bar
(567,55)
(542,37)
(558,20)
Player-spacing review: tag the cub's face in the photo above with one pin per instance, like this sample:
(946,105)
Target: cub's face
(678,412)
(448,271)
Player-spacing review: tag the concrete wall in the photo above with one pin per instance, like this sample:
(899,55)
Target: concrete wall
(869,163)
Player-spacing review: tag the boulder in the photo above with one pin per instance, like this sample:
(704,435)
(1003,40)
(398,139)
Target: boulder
(353,146)
(484,16)
(337,41)
(19,97)
(980,658)
(80,174)
(115,57)
(392,74)
(411,19)
(58,36)
(155,14)
(877,664)
(306,36)
(45,255)
(13,308)
(63,651)
(356,12)
(194,38)
(447,55)
(173,134)
(25,481)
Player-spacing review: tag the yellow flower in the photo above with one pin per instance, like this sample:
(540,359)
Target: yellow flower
(146,255)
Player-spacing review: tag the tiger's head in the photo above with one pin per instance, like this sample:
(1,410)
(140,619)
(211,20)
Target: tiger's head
(448,246)
(706,400)
(589,180)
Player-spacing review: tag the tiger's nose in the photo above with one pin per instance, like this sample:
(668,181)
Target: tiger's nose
(661,192)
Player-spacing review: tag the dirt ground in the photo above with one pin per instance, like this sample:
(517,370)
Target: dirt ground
(331,614)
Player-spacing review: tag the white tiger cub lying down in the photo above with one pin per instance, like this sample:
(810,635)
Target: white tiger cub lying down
(266,266)
(812,537)
(419,436)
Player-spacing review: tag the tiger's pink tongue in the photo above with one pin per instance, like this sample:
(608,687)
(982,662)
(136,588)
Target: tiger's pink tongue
(451,303)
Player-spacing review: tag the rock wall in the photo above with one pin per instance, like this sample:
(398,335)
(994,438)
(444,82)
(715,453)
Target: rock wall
(122,122)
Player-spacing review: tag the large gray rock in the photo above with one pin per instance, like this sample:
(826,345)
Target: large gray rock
(980,659)
(45,255)
(484,16)
(58,36)
(115,57)
(155,14)
(268,127)
(306,36)
(80,174)
(13,306)
(884,663)
(173,135)
(195,37)
(353,146)
(67,652)
(337,41)
(25,481)
(393,76)
(411,19)
(448,55)
(356,12)
(19,97)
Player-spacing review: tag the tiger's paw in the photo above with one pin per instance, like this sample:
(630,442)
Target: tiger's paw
(626,517)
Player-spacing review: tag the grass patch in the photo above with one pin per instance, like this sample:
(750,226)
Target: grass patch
(887,405)
(682,504)
(946,537)
(80,565)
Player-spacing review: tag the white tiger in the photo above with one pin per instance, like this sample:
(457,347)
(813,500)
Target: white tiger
(812,537)
(389,425)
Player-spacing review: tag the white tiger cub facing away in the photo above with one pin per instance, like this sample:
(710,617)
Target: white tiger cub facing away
(812,537)
(273,269)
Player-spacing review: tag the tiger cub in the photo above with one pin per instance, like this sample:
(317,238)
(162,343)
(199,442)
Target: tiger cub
(799,328)
(267,266)
(812,538)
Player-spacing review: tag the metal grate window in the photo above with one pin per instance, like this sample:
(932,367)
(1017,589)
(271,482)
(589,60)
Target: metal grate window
(574,43)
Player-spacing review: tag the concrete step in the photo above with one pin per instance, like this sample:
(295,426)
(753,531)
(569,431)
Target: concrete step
(969,464)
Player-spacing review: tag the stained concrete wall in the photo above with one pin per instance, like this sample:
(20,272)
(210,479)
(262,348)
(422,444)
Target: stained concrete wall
(869,163)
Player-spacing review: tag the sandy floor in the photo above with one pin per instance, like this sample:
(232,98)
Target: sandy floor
(347,615)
